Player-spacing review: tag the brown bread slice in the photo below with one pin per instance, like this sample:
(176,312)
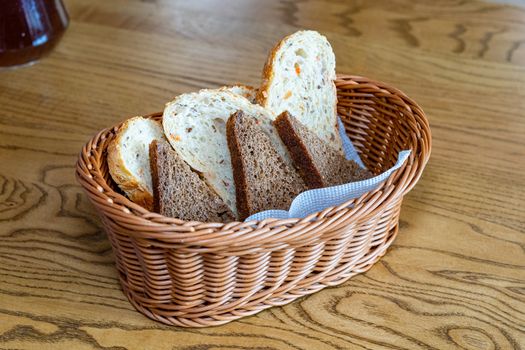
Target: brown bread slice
(262,179)
(179,192)
(319,164)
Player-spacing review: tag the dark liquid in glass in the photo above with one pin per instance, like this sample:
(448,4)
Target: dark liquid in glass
(29,29)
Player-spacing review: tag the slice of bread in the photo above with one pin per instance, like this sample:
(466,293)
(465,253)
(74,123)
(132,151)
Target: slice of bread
(262,179)
(244,90)
(128,158)
(318,163)
(299,77)
(195,125)
(179,192)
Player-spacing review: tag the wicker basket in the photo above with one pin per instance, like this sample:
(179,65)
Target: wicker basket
(195,274)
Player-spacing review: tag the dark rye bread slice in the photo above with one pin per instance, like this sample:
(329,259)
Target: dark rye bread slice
(318,163)
(262,179)
(181,193)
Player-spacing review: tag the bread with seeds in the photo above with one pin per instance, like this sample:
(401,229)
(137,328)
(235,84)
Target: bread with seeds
(299,78)
(195,125)
(128,158)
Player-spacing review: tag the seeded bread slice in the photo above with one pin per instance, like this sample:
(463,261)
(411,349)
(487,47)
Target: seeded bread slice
(128,159)
(244,90)
(318,163)
(195,125)
(299,77)
(262,179)
(179,192)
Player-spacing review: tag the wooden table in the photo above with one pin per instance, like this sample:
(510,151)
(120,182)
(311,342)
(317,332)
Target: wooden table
(455,277)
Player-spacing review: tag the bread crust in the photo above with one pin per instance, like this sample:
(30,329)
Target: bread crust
(241,186)
(250,94)
(267,74)
(154,175)
(298,151)
(133,189)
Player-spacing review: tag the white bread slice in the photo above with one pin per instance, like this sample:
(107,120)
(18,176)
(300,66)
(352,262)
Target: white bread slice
(244,90)
(299,78)
(128,158)
(195,125)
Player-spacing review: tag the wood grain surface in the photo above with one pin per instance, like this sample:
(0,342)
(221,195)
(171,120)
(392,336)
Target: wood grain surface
(454,278)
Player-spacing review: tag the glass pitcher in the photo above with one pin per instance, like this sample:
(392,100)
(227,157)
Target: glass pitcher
(29,29)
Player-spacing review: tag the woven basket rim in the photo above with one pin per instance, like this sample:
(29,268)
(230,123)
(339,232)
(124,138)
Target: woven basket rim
(269,232)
